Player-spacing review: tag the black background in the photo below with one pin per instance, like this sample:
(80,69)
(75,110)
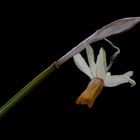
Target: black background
(33,37)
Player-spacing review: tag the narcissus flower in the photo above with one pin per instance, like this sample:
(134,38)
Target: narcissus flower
(99,76)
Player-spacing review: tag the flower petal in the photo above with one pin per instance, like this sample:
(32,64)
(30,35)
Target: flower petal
(90,56)
(82,65)
(128,74)
(101,64)
(117,80)
(108,74)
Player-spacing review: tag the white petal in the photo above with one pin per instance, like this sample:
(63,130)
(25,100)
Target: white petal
(108,74)
(82,65)
(90,56)
(117,80)
(128,74)
(101,64)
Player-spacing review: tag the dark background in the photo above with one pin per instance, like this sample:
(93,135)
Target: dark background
(33,37)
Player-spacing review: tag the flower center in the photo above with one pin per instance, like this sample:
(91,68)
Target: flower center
(92,91)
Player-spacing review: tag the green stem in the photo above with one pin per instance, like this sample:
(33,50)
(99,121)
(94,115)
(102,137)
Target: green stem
(26,90)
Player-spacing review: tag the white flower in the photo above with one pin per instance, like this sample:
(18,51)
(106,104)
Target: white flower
(98,75)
